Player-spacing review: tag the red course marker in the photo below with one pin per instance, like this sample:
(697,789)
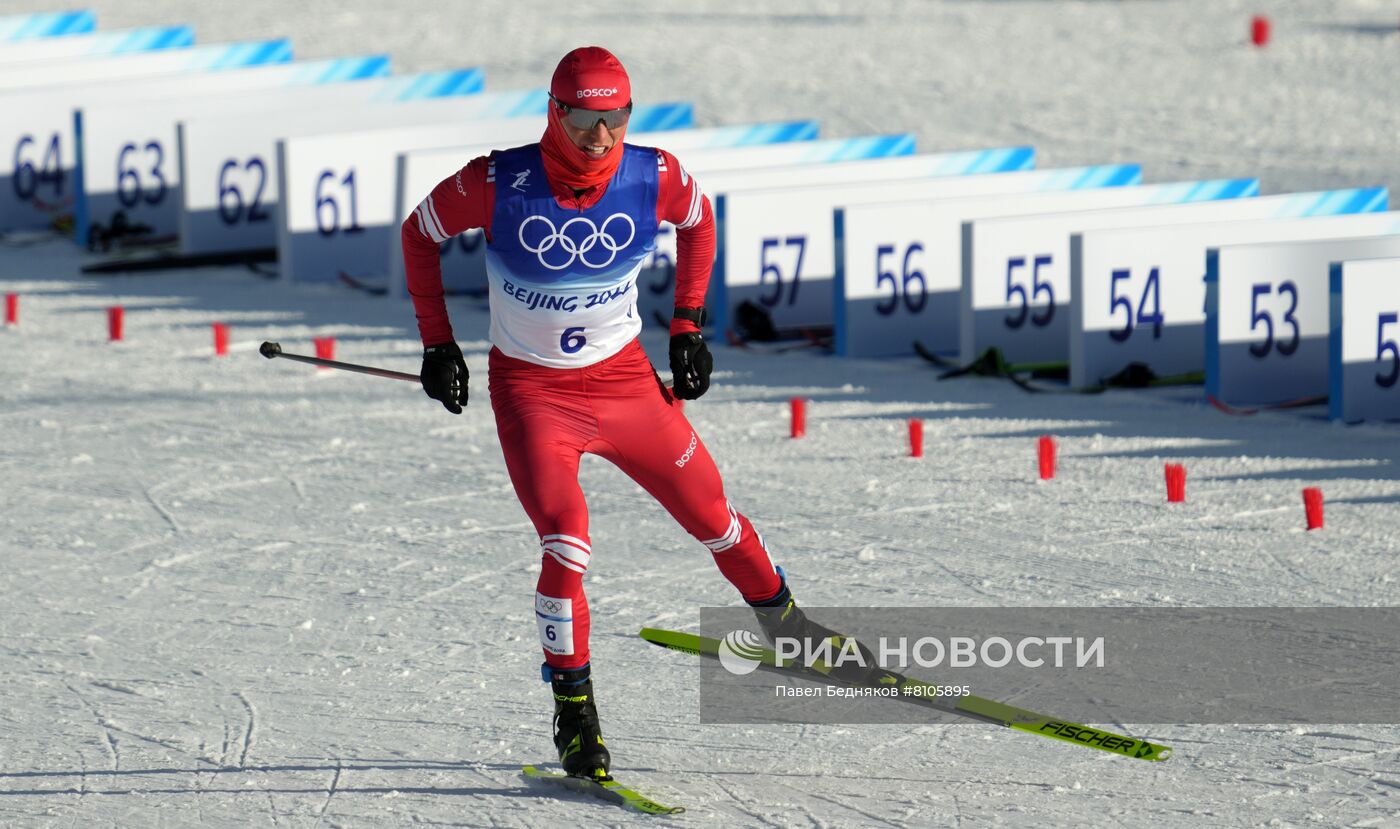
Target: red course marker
(1176,483)
(799,417)
(220,339)
(1312,505)
(115,319)
(916,438)
(325,349)
(1047,457)
(1259,30)
(12,309)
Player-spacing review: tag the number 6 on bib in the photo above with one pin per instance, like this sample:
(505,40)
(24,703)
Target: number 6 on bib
(572,340)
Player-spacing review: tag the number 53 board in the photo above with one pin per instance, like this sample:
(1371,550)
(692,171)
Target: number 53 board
(1267,316)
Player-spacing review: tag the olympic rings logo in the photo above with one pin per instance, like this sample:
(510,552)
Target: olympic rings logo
(585,238)
(552,606)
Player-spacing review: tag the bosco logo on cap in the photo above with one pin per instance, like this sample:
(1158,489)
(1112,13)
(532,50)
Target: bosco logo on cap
(591,77)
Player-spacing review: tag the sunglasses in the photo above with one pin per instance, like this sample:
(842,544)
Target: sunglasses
(587,119)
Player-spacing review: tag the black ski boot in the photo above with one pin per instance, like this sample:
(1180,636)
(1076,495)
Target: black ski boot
(577,734)
(780,616)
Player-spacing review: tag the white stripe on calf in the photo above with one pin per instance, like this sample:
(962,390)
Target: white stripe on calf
(567,552)
(568,565)
(762,545)
(577,542)
(730,537)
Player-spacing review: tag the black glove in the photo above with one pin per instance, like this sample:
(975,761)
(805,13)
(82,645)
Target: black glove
(444,376)
(691,365)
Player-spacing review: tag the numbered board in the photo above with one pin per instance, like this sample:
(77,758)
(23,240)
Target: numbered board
(656,282)
(38,147)
(1267,316)
(385,237)
(24,27)
(1016,282)
(116,137)
(463,259)
(338,214)
(229,163)
(757,145)
(1144,290)
(1364,340)
(900,265)
(211,220)
(128,151)
(778,247)
(120,42)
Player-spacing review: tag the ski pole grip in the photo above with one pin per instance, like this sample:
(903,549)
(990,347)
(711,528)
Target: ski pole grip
(270,350)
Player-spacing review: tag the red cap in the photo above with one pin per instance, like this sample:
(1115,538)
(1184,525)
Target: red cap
(591,77)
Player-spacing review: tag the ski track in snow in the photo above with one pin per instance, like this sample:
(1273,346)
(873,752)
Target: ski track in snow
(242,592)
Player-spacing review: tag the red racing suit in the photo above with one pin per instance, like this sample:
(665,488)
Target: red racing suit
(567,374)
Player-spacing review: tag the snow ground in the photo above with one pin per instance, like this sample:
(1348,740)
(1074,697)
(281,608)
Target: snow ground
(241,592)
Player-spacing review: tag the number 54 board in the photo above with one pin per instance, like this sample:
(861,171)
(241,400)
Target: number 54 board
(1364,369)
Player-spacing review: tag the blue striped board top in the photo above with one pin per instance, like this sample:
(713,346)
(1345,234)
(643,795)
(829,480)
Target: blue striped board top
(51,24)
(427,85)
(147,39)
(237,55)
(338,70)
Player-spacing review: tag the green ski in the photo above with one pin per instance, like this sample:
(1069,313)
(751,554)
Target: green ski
(604,788)
(977,708)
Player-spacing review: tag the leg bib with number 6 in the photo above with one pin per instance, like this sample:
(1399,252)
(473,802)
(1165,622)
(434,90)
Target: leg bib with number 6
(555,617)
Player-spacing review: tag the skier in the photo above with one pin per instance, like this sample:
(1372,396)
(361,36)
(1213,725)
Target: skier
(568,223)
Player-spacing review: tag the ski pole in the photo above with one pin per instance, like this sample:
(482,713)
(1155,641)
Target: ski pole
(270,350)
